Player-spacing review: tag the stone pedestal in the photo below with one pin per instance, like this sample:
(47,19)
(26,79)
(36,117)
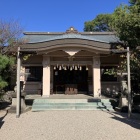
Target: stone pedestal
(123,104)
(123,101)
(23,106)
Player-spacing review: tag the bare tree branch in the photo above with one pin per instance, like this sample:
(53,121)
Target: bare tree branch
(10,35)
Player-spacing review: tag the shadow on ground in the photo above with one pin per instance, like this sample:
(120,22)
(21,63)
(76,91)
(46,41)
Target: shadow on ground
(134,121)
(29,102)
(1,119)
(4,105)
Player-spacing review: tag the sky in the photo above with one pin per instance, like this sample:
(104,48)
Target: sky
(55,15)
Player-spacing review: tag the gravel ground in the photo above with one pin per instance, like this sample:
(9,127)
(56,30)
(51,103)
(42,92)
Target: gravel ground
(68,125)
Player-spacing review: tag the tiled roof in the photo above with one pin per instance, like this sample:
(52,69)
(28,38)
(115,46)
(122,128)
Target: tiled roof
(38,37)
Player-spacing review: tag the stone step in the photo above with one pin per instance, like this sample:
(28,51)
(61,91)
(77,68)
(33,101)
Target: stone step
(78,104)
(66,100)
(67,106)
(59,107)
(70,104)
(105,100)
(70,108)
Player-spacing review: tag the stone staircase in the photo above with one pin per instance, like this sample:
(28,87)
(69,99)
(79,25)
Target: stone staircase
(71,104)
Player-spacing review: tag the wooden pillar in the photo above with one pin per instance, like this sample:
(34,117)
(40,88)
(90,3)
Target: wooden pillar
(18,83)
(46,76)
(96,77)
(51,80)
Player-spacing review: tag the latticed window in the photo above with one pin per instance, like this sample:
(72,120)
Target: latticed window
(34,73)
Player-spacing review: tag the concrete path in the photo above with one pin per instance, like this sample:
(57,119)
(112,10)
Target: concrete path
(68,125)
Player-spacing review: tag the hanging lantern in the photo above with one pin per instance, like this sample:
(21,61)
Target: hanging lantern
(70,68)
(78,66)
(75,67)
(60,68)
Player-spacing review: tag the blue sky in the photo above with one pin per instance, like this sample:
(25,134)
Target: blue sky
(55,15)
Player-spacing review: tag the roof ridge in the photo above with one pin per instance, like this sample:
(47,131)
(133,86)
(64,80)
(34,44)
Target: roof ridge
(60,33)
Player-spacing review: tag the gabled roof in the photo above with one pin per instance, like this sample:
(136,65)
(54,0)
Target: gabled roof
(45,41)
(35,38)
(38,37)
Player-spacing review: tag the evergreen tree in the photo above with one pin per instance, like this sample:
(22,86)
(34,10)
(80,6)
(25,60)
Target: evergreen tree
(125,22)
(99,24)
(10,33)
(6,65)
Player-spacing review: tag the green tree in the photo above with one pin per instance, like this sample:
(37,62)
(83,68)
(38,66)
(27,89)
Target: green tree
(99,24)
(6,65)
(125,22)
(133,2)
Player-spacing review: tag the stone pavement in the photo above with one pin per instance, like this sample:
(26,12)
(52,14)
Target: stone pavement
(68,125)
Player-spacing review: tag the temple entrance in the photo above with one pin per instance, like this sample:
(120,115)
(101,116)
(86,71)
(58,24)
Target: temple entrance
(70,78)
